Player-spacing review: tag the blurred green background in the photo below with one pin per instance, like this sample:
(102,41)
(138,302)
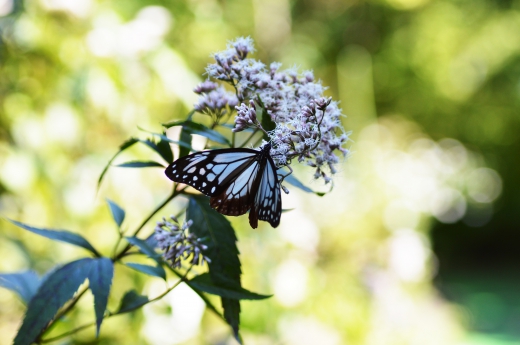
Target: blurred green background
(417,243)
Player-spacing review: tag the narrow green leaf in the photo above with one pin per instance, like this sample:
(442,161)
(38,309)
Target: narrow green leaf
(204,283)
(140,164)
(118,214)
(165,150)
(186,144)
(185,136)
(144,247)
(162,148)
(24,284)
(224,268)
(155,271)
(55,290)
(131,301)
(100,279)
(151,241)
(123,147)
(291,179)
(59,235)
(200,129)
(232,315)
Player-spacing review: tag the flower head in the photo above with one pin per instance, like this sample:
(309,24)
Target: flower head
(307,124)
(178,244)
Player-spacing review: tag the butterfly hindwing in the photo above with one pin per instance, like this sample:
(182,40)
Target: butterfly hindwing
(268,200)
(239,195)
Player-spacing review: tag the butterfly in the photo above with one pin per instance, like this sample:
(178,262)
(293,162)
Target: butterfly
(236,180)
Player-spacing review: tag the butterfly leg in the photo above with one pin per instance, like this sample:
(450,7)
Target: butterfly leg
(282,177)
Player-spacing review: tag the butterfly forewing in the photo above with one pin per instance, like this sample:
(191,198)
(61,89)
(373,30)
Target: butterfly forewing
(210,171)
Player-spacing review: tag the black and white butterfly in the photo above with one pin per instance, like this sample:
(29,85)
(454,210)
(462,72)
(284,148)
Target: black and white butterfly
(236,180)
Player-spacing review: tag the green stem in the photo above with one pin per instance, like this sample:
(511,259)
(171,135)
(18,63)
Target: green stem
(250,137)
(143,223)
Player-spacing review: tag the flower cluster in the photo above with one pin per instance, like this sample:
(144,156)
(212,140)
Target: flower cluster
(307,125)
(178,244)
(214,99)
(246,117)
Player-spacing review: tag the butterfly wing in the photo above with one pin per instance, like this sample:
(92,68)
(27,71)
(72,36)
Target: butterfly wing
(268,199)
(237,180)
(211,172)
(239,195)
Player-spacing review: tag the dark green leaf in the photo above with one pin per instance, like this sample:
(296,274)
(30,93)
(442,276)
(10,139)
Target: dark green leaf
(186,144)
(140,164)
(156,271)
(118,214)
(224,268)
(204,283)
(131,301)
(123,147)
(232,315)
(265,119)
(24,284)
(59,235)
(165,150)
(162,148)
(200,129)
(55,290)
(222,249)
(100,280)
(185,136)
(144,247)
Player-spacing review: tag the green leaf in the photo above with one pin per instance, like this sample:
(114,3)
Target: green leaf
(291,179)
(144,247)
(224,268)
(100,280)
(165,150)
(24,284)
(155,271)
(140,164)
(200,129)
(232,315)
(185,144)
(131,301)
(123,147)
(118,214)
(56,289)
(185,136)
(204,283)
(265,119)
(162,148)
(59,235)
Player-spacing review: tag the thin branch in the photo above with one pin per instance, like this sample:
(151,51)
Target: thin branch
(143,223)
(250,137)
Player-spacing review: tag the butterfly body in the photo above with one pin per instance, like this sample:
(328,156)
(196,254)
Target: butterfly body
(236,180)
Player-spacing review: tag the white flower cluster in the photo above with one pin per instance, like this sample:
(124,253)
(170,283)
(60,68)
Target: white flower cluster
(214,99)
(308,125)
(177,244)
